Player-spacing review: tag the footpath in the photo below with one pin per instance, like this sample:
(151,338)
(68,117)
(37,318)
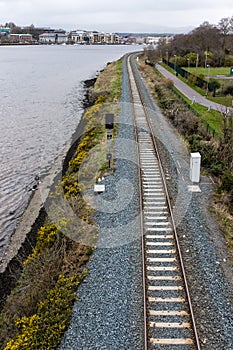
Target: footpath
(191,94)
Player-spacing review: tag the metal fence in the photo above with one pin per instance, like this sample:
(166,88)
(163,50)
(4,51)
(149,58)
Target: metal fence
(187,75)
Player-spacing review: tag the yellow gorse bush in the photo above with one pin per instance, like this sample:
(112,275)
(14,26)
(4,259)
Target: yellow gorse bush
(46,235)
(91,113)
(44,329)
(100,100)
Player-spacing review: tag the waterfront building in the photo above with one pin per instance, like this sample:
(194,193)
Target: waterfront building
(53,38)
(21,38)
(4,31)
(94,37)
(79,37)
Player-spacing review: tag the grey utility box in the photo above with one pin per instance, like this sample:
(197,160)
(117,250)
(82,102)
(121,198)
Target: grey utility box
(195,165)
(109,121)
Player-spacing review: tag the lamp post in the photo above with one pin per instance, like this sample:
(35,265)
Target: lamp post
(188,59)
(197,62)
(175,63)
(208,79)
(167,56)
(206,56)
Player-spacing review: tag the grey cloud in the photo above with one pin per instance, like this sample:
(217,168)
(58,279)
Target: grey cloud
(141,14)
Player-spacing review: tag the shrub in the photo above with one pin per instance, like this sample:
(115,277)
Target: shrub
(192,79)
(227,181)
(228,62)
(168,83)
(77,161)
(100,99)
(216,84)
(228,90)
(46,236)
(217,169)
(44,329)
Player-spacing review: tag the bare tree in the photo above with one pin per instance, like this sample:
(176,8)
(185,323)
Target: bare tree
(225,26)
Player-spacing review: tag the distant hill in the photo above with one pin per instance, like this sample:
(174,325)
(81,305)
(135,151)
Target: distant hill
(140,35)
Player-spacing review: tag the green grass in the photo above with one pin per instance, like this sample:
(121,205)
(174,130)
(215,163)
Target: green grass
(212,117)
(213,70)
(117,83)
(201,70)
(226,101)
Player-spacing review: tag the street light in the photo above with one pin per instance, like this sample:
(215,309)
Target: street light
(208,79)
(197,63)
(188,59)
(206,56)
(167,56)
(175,63)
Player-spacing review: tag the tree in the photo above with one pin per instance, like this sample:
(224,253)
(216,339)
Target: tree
(180,45)
(162,47)
(16,30)
(205,38)
(152,54)
(215,40)
(225,26)
(10,25)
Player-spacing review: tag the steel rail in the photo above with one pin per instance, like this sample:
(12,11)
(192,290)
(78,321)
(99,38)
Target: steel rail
(130,58)
(141,224)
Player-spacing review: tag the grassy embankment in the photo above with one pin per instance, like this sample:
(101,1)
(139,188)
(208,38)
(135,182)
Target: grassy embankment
(38,311)
(216,151)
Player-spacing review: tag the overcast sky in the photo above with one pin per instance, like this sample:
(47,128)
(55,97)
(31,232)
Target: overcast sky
(118,15)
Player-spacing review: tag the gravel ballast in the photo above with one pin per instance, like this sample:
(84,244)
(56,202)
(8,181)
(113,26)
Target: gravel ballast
(208,263)
(109,311)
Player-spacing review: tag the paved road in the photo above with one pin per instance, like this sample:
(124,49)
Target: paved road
(189,92)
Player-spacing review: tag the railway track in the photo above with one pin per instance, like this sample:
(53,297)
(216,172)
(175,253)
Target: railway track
(168,315)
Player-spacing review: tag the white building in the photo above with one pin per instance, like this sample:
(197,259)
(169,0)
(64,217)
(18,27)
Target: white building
(53,38)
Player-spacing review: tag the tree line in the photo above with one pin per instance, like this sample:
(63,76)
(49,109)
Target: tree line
(207,44)
(31,29)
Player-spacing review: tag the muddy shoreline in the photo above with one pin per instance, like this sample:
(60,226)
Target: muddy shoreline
(23,238)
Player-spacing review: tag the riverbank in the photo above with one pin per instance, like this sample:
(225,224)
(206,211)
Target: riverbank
(56,264)
(24,236)
(47,117)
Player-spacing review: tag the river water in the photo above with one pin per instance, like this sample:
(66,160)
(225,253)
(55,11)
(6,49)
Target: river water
(41,91)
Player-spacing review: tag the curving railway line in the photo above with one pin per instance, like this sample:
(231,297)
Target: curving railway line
(168,315)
